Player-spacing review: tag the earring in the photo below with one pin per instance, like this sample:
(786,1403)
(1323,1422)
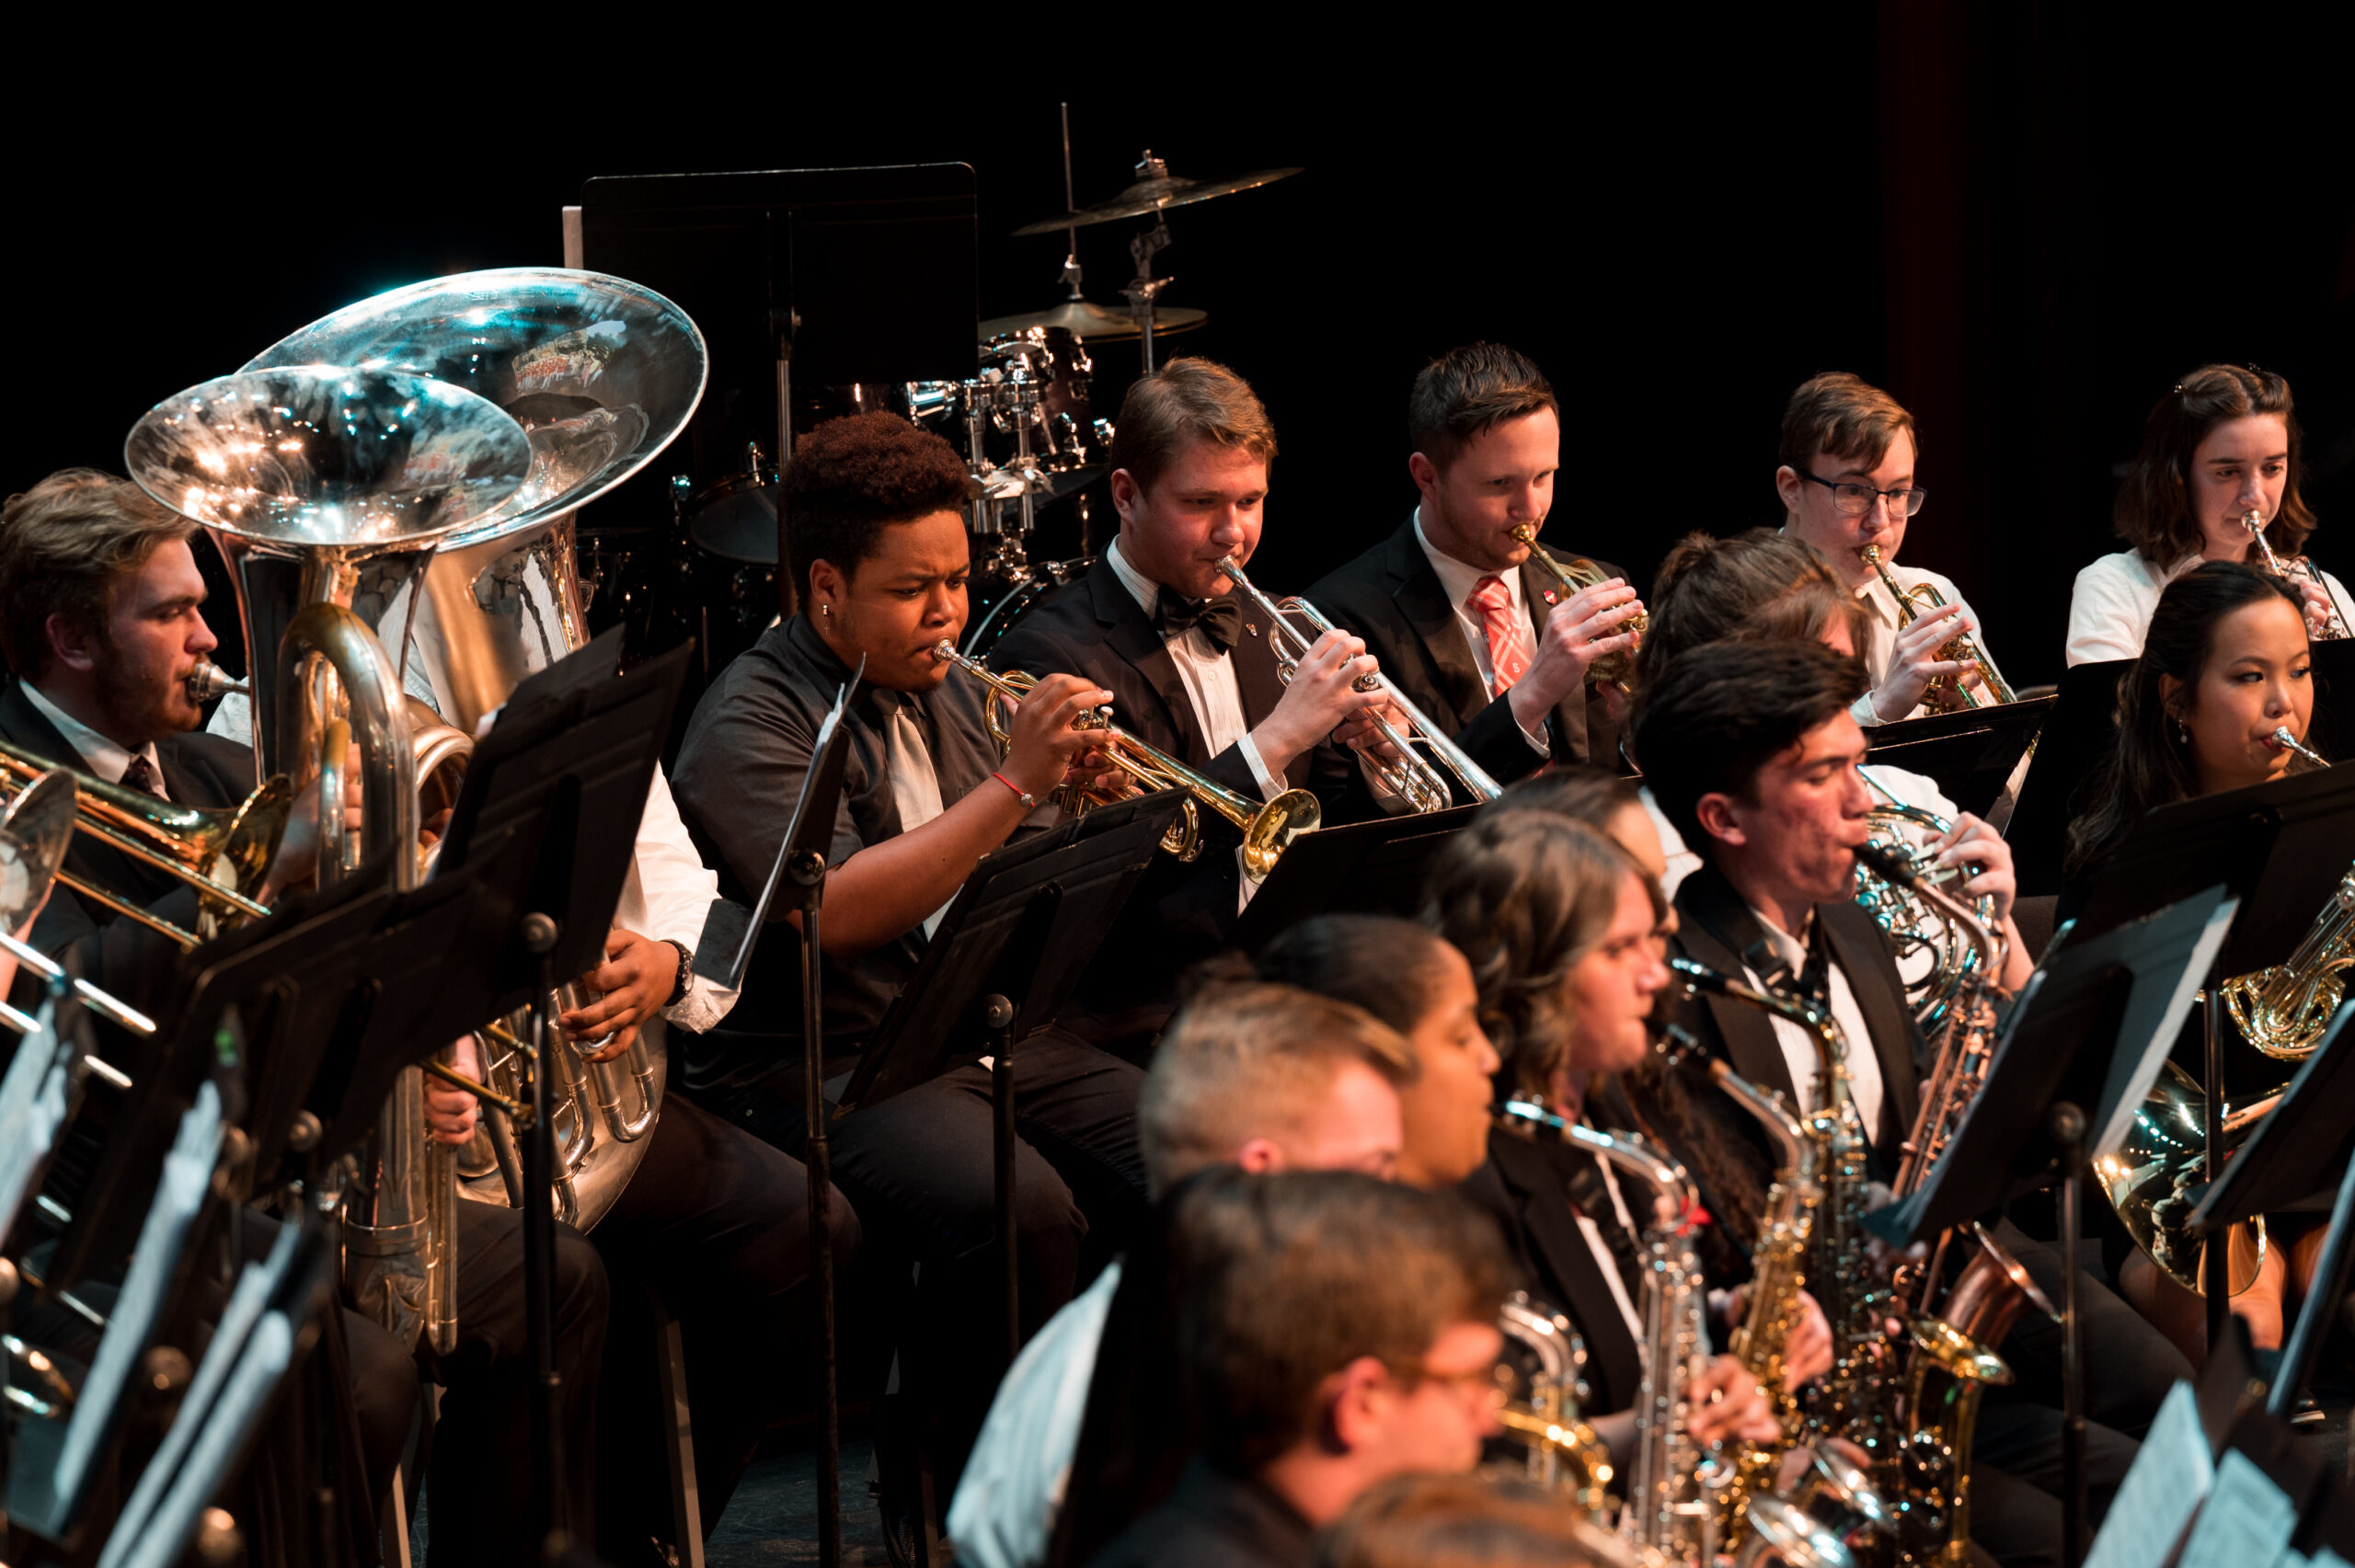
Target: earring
(826,610)
(2182,732)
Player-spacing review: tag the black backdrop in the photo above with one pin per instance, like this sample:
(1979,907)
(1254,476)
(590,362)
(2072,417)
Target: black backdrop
(2026,227)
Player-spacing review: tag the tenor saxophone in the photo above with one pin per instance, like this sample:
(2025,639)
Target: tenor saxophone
(1856,1402)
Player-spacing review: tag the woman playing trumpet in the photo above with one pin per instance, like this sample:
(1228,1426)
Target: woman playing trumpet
(2219,450)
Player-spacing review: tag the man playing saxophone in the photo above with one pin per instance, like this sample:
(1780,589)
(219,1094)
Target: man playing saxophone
(1752,751)
(1846,485)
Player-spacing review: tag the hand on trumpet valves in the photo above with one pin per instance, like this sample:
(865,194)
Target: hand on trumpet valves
(1323,695)
(1913,661)
(450,1111)
(2317,604)
(635,978)
(1726,1404)
(1584,627)
(1048,744)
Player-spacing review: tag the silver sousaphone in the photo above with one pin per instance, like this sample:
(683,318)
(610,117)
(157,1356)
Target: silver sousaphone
(328,489)
(602,374)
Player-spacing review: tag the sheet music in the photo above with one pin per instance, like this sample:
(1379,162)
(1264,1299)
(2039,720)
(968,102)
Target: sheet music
(2170,1476)
(2151,1048)
(2247,1518)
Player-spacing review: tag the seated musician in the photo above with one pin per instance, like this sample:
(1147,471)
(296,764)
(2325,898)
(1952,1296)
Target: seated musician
(1846,482)
(879,551)
(1752,751)
(2225,663)
(1261,1077)
(1334,1330)
(101,610)
(1562,931)
(1464,617)
(2222,444)
(1485,1520)
(1192,669)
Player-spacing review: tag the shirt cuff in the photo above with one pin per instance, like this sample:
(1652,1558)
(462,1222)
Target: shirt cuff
(1269,787)
(702,1009)
(1862,711)
(1536,738)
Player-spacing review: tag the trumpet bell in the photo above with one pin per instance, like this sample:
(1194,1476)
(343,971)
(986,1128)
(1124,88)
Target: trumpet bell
(1274,827)
(35,832)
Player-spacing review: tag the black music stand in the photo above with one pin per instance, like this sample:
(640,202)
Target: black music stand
(2076,732)
(2333,730)
(2294,1154)
(1971,753)
(2082,1046)
(801,868)
(36,1097)
(1370,868)
(2280,848)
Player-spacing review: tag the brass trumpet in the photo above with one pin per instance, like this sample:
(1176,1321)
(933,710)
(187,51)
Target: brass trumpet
(1575,577)
(1911,603)
(1410,776)
(1267,829)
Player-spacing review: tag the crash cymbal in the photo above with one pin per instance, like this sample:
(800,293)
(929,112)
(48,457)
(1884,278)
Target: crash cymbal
(1153,191)
(1091,322)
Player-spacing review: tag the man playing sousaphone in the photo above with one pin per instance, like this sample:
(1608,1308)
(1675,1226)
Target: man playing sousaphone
(103,607)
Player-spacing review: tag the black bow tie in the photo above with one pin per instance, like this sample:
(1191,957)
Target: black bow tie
(1219,618)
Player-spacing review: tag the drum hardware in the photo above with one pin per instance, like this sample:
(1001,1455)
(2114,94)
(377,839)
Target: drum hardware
(1014,603)
(1096,324)
(1153,191)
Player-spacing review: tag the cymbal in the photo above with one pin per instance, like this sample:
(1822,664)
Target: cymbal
(1089,322)
(1149,196)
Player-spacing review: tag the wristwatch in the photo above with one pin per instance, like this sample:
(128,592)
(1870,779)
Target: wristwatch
(686,972)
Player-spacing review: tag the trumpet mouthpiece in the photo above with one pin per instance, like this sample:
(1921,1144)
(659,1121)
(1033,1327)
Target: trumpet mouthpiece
(209,681)
(2289,742)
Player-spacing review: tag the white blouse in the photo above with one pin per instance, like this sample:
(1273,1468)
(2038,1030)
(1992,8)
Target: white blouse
(2111,607)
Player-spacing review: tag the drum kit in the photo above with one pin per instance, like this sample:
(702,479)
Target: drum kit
(1024,422)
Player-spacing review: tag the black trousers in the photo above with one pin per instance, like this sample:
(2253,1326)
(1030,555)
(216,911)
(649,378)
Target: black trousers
(920,1168)
(2129,1365)
(480,1487)
(717,1224)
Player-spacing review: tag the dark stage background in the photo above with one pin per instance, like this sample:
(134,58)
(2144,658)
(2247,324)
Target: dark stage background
(2027,228)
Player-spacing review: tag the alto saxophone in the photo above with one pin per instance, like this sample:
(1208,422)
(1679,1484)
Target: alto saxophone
(1857,1401)
(1959,648)
(1565,1456)
(1671,1510)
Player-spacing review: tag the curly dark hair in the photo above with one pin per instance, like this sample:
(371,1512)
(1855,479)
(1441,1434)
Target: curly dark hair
(2154,510)
(851,478)
(1524,895)
(2149,764)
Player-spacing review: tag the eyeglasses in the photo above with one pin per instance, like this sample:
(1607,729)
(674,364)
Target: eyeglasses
(1480,1385)
(1855,500)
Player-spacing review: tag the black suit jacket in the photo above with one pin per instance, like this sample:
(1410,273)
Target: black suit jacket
(1725,1148)
(1093,626)
(1526,1187)
(1392,597)
(116,954)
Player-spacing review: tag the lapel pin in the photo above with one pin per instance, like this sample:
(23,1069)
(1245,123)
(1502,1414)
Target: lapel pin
(1252,627)
(1549,596)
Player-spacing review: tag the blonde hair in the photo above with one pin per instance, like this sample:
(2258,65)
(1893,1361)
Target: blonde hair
(1185,401)
(1249,1061)
(64,544)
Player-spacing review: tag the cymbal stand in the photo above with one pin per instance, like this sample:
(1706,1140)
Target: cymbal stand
(1145,287)
(1070,278)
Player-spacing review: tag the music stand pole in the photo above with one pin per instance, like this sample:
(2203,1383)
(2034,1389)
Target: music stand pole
(2068,1128)
(539,936)
(2216,1257)
(807,870)
(997,1017)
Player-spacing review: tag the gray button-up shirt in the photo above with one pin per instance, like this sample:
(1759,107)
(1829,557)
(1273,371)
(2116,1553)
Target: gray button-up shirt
(740,772)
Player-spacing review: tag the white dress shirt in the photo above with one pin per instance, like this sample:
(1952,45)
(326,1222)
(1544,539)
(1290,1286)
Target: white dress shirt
(1881,628)
(1799,1046)
(1014,1484)
(2110,608)
(1457,579)
(667,895)
(1913,789)
(1207,671)
(101,758)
